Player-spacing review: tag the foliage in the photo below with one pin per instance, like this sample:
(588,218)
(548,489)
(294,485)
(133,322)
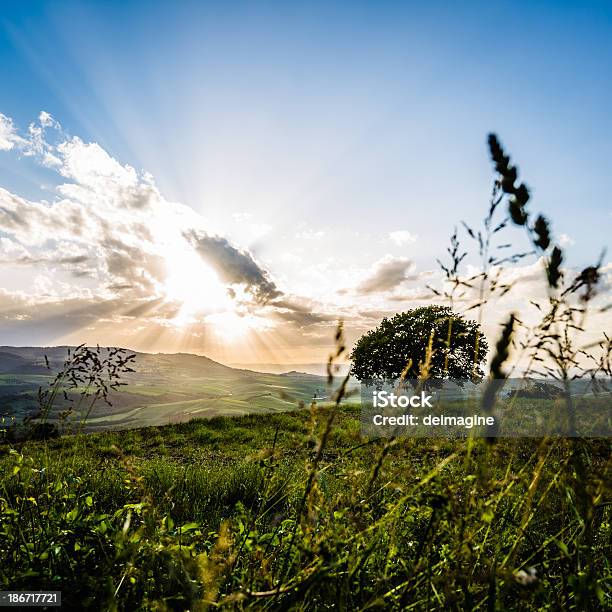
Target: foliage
(432,342)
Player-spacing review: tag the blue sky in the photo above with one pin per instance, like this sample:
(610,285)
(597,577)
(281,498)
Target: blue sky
(283,122)
(331,109)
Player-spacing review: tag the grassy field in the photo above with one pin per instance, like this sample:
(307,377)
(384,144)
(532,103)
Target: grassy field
(296,511)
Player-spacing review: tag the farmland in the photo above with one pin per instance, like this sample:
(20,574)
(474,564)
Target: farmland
(163,389)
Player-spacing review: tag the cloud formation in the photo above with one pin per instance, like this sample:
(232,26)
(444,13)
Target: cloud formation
(387,275)
(233,265)
(102,248)
(8,133)
(402,237)
(111,215)
(96,260)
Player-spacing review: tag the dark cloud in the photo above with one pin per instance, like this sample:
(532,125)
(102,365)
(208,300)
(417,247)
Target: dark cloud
(37,221)
(21,318)
(387,275)
(234,266)
(12,220)
(374,314)
(132,265)
(302,314)
(30,260)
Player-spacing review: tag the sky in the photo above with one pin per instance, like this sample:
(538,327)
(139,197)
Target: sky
(232,178)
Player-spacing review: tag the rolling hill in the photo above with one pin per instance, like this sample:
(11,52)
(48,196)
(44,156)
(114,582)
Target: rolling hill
(165,388)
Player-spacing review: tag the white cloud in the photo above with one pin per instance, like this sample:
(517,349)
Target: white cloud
(107,210)
(34,144)
(387,274)
(110,229)
(91,166)
(8,134)
(46,120)
(565,240)
(401,237)
(11,250)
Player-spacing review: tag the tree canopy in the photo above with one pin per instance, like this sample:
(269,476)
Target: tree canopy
(458,347)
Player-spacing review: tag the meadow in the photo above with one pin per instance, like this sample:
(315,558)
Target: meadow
(283,512)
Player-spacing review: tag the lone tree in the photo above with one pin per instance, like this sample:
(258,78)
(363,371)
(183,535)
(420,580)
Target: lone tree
(400,345)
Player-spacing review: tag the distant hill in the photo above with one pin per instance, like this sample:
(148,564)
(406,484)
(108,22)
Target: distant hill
(318,369)
(296,373)
(165,388)
(31,359)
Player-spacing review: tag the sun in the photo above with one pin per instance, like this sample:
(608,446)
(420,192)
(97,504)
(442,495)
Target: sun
(203,298)
(191,283)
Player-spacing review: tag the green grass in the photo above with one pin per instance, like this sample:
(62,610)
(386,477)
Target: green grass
(225,512)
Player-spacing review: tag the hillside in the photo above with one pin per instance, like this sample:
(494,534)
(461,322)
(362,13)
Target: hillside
(165,388)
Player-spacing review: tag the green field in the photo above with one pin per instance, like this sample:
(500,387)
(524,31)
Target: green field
(292,511)
(163,389)
(243,493)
